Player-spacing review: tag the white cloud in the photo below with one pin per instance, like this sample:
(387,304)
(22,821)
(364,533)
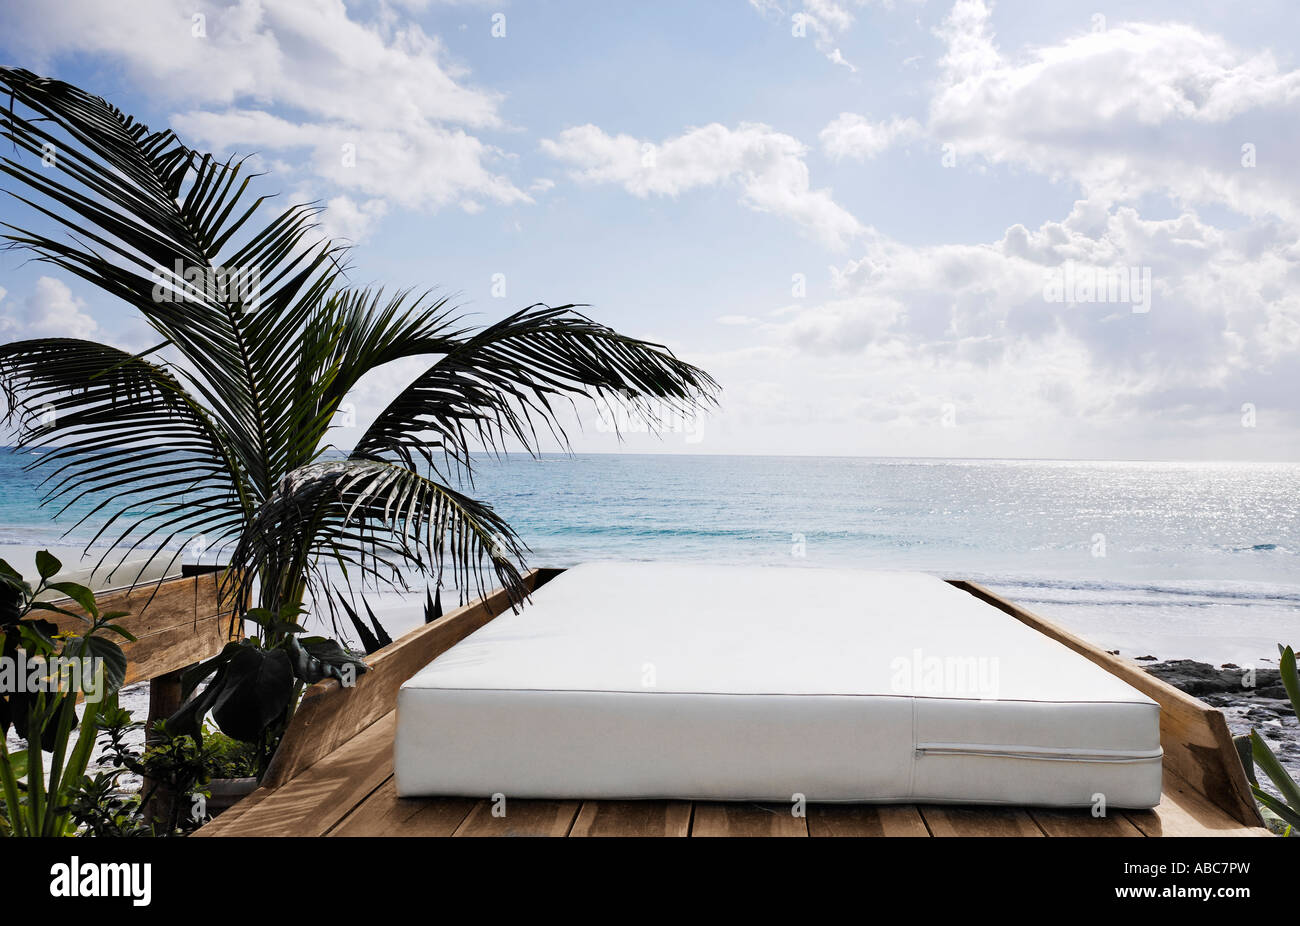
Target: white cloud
(824,21)
(1128,110)
(854,136)
(51,311)
(421,166)
(915,328)
(384,87)
(345,218)
(768,167)
(1132,111)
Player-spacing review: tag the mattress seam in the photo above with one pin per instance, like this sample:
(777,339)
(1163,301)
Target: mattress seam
(780,694)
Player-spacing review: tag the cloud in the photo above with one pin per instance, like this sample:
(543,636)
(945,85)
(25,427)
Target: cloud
(420,166)
(913,328)
(1125,113)
(346,219)
(824,20)
(293,76)
(767,166)
(1126,110)
(51,311)
(855,136)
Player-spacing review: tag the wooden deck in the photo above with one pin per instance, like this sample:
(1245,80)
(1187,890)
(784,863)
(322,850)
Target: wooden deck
(333,775)
(351,793)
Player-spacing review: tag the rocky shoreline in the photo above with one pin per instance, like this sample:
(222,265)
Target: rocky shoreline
(1259,702)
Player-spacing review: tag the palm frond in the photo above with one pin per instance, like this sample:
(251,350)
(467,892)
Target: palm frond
(374,519)
(496,385)
(121,433)
(167,230)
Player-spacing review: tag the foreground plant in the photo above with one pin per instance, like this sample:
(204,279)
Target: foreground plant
(43,672)
(220,431)
(175,772)
(1256,753)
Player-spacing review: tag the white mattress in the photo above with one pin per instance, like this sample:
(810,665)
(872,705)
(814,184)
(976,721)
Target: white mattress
(656,680)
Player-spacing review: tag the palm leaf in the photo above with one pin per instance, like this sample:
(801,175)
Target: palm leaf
(119,431)
(373,518)
(494,386)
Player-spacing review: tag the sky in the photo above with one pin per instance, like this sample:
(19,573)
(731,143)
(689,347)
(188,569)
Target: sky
(907,228)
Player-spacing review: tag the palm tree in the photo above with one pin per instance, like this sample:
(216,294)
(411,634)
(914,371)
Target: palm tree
(222,428)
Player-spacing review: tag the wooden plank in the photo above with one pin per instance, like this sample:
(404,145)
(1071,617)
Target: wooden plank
(329,714)
(321,796)
(175,648)
(1081,822)
(177,623)
(746,819)
(1198,747)
(633,818)
(1184,811)
(151,607)
(383,813)
(164,700)
(520,818)
(229,818)
(955,820)
(865,820)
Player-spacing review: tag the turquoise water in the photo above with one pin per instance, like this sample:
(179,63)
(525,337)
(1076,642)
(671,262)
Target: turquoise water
(1174,559)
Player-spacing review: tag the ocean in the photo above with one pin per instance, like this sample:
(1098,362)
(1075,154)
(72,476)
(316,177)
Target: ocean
(1175,560)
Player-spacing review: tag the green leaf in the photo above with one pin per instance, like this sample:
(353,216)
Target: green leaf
(1290,678)
(254,692)
(121,632)
(1244,746)
(47,564)
(38,637)
(271,623)
(56,609)
(195,674)
(112,659)
(78,593)
(1276,773)
(18,762)
(1272,803)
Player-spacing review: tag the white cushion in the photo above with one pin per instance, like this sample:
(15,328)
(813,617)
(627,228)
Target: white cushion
(649,680)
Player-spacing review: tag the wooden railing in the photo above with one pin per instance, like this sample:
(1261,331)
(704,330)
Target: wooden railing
(176,622)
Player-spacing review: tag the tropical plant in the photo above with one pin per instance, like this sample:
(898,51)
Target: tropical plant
(174,771)
(1283,809)
(43,672)
(221,429)
(104,806)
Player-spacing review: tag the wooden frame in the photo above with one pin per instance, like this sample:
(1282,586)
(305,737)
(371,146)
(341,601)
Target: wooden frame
(333,772)
(176,622)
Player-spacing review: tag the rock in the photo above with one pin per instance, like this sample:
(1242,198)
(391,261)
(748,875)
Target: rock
(1201,678)
(1264,707)
(1146,659)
